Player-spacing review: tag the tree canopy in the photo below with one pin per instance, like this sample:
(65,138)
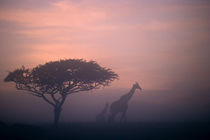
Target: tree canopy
(64,76)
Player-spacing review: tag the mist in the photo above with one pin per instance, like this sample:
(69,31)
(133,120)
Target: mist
(145,106)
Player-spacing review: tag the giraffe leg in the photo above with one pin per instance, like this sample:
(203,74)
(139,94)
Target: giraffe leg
(123,117)
(111,117)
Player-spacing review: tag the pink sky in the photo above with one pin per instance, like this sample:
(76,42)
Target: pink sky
(161,44)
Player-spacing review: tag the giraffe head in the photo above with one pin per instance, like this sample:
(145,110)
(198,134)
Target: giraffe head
(136,85)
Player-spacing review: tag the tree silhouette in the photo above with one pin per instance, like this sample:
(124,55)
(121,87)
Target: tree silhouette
(55,80)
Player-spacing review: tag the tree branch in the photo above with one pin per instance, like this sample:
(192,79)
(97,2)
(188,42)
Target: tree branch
(54,99)
(48,100)
(63,99)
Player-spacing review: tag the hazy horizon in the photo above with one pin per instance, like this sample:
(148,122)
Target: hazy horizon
(145,106)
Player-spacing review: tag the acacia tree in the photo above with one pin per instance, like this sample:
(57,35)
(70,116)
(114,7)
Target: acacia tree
(54,81)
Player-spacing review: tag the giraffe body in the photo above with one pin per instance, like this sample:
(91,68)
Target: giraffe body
(121,105)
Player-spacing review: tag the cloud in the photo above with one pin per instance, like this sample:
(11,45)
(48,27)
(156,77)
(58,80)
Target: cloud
(60,13)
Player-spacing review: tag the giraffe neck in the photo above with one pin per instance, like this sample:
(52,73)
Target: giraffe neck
(130,94)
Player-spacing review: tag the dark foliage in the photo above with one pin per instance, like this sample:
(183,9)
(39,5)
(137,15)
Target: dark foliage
(59,78)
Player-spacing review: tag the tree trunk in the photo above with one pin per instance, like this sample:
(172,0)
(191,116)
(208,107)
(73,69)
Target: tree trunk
(57,111)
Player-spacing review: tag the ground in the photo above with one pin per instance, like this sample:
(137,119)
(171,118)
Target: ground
(128,131)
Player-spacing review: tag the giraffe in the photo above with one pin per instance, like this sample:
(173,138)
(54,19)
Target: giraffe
(121,105)
(101,117)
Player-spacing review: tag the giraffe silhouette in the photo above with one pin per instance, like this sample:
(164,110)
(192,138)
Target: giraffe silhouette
(101,117)
(121,105)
